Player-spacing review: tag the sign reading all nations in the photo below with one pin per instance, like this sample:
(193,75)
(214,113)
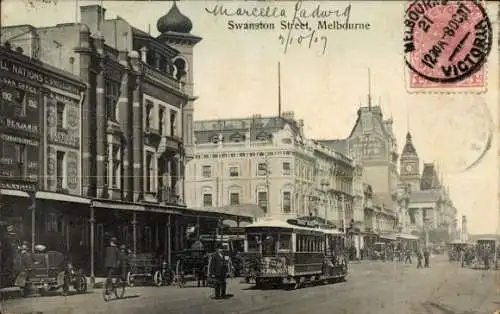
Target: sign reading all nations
(36,76)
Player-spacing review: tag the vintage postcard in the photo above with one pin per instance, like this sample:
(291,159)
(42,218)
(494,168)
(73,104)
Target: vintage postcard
(249,157)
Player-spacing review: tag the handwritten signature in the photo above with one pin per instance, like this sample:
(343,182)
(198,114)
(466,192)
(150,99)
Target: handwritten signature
(312,38)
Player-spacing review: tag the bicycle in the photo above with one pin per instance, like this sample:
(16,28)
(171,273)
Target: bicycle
(117,288)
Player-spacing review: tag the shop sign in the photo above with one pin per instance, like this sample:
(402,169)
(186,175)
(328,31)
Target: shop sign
(27,187)
(18,125)
(37,76)
(63,139)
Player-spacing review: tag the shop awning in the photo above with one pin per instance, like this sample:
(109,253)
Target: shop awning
(117,205)
(388,237)
(13,193)
(62,197)
(246,210)
(407,236)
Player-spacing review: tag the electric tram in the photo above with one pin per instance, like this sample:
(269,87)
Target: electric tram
(293,253)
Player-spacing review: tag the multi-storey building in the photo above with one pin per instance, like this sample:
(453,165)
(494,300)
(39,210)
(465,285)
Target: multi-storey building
(372,145)
(136,129)
(430,208)
(268,161)
(40,146)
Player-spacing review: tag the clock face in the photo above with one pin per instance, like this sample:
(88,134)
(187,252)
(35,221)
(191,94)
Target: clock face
(409,168)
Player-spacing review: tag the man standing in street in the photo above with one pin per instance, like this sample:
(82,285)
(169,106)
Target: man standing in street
(111,260)
(218,272)
(419,259)
(427,255)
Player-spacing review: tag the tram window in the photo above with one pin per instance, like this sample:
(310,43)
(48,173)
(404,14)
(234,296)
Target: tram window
(285,242)
(253,241)
(269,244)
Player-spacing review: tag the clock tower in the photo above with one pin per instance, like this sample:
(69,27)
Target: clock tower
(410,164)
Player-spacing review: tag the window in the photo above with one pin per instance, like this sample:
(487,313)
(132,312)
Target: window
(112,90)
(60,170)
(150,171)
(116,167)
(261,169)
(262,200)
(234,198)
(161,117)
(285,242)
(207,171)
(207,200)
(287,206)
(149,115)
(60,115)
(233,171)
(286,169)
(173,122)
(21,159)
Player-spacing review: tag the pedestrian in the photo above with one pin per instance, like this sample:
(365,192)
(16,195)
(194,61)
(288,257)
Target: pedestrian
(419,259)
(124,262)
(427,255)
(408,257)
(111,261)
(218,272)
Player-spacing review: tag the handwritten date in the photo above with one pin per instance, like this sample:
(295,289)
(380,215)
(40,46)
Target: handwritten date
(303,40)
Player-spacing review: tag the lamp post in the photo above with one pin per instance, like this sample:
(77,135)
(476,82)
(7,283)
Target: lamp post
(426,230)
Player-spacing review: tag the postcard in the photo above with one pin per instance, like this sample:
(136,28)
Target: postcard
(249,156)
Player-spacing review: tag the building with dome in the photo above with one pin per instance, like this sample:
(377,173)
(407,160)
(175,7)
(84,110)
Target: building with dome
(136,130)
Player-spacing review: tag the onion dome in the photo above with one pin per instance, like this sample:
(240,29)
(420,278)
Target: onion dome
(174,21)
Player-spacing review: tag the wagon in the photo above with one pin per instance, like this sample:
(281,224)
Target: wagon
(144,268)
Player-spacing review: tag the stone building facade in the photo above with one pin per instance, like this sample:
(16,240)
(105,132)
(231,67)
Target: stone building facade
(268,161)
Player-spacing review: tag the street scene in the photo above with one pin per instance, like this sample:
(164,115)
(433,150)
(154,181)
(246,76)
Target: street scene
(249,157)
(371,288)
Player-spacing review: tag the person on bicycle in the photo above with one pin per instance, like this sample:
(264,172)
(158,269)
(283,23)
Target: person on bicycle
(112,260)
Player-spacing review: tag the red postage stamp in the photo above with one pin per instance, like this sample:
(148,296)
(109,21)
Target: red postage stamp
(446,45)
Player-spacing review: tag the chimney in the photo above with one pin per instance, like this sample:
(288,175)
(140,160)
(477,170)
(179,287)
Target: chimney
(93,16)
(301,127)
(289,115)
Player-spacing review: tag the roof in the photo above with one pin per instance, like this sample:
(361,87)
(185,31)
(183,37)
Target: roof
(341,146)
(430,178)
(248,210)
(409,149)
(257,127)
(425,196)
(275,223)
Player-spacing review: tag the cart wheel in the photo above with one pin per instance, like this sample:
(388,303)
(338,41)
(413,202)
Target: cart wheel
(130,279)
(158,280)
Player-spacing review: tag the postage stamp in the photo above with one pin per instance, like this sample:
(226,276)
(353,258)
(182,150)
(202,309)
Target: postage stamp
(446,45)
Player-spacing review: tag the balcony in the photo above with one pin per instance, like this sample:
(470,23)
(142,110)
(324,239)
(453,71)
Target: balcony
(163,77)
(168,195)
(152,136)
(171,144)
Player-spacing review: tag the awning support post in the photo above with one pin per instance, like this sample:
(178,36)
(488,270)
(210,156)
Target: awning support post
(134,231)
(92,245)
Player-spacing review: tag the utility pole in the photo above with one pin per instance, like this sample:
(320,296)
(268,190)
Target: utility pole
(426,229)
(343,219)
(268,189)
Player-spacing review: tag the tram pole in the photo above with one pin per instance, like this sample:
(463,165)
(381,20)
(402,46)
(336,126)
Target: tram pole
(343,219)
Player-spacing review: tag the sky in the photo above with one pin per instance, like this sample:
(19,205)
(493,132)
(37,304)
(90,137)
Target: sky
(235,75)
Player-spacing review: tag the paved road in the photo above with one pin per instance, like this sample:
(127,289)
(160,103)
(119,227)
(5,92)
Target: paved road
(372,288)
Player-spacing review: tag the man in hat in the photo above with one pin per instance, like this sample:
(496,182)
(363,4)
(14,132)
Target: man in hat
(218,272)
(111,260)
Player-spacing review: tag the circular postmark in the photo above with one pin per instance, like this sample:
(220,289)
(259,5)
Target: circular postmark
(446,41)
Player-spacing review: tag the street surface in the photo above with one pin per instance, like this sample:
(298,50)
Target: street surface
(373,287)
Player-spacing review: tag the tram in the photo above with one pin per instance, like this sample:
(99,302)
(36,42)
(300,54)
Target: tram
(293,253)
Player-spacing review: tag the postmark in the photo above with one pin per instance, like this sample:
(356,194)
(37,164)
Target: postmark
(446,44)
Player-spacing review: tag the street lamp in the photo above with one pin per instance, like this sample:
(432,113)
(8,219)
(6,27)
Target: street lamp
(426,230)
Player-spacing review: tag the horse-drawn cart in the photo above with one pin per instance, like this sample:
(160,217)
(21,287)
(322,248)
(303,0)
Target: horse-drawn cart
(145,268)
